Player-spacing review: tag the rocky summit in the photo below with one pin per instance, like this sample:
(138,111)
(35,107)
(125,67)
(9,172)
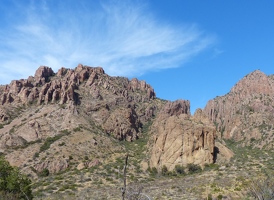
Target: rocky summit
(246,113)
(71,131)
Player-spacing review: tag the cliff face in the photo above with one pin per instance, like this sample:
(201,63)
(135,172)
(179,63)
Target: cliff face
(180,139)
(96,94)
(50,118)
(246,112)
(71,113)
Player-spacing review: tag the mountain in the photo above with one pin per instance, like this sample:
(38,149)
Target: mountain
(71,131)
(246,113)
(83,119)
(82,109)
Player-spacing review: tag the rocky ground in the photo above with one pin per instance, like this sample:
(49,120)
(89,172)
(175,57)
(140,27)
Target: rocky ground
(219,181)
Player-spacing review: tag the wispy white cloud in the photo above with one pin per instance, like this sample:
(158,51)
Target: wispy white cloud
(122,37)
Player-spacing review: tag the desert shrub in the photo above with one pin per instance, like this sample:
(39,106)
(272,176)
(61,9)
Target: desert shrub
(164,170)
(211,166)
(179,169)
(192,168)
(44,173)
(220,196)
(209,197)
(61,144)
(13,184)
(51,140)
(36,155)
(153,171)
(77,129)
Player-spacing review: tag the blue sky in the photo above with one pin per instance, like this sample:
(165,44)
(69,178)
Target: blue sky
(195,50)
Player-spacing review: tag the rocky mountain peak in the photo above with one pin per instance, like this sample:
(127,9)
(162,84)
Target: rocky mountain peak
(43,72)
(246,111)
(254,83)
(120,106)
(74,107)
(48,87)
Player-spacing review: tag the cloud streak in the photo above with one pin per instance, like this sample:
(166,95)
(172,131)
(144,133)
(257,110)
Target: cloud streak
(122,37)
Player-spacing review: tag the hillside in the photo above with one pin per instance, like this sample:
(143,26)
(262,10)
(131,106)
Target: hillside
(78,119)
(70,132)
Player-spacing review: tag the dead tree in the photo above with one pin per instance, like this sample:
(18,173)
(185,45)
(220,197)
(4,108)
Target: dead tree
(125,179)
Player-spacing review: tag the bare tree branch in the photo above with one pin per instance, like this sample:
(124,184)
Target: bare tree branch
(125,178)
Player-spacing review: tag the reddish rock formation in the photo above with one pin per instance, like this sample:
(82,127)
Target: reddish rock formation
(109,101)
(176,108)
(123,124)
(52,166)
(180,139)
(43,72)
(88,164)
(246,109)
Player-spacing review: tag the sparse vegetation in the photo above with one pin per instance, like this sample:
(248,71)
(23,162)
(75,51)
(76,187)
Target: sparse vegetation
(262,189)
(192,168)
(77,129)
(153,171)
(179,170)
(164,171)
(51,140)
(44,173)
(36,155)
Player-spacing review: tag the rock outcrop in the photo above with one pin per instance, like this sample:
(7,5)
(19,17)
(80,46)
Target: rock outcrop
(53,166)
(247,111)
(46,87)
(123,124)
(222,153)
(180,139)
(110,102)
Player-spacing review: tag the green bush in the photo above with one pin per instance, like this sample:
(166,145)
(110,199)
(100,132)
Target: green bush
(220,196)
(179,169)
(13,184)
(209,197)
(164,170)
(51,140)
(77,129)
(36,155)
(61,144)
(44,173)
(211,166)
(192,168)
(153,171)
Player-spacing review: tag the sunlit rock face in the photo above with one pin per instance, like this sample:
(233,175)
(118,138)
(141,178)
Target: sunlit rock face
(72,112)
(180,139)
(247,111)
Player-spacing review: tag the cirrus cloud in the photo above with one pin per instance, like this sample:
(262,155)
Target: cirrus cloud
(125,38)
